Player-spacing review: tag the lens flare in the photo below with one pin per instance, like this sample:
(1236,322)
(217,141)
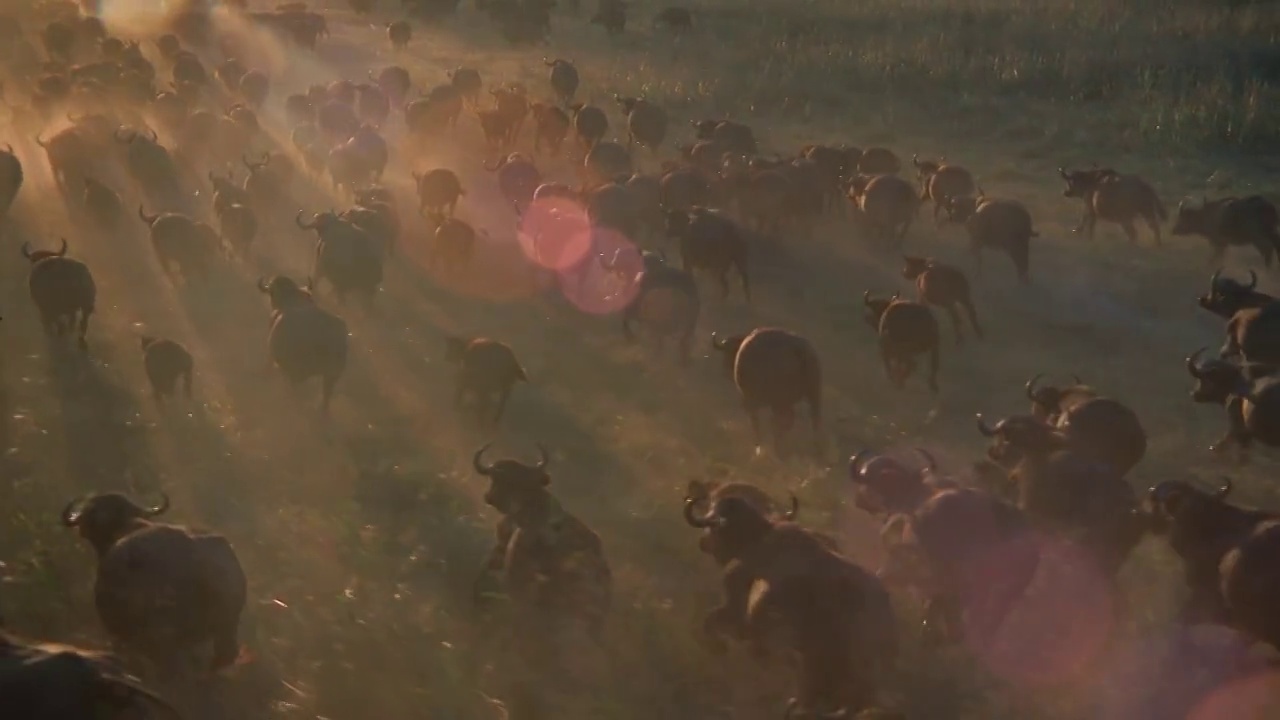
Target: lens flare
(592,287)
(555,233)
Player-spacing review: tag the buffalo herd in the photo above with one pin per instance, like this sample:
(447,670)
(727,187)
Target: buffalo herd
(171,597)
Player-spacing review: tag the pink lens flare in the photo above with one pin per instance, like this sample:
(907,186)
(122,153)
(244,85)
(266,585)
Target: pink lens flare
(555,233)
(605,280)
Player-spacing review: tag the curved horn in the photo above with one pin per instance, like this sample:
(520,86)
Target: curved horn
(931,464)
(159,509)
(297,219)
(856,462)
(866,298)
(26,249)
(498,164)
(1223,490)
(716,342)
(543,459)
(915,159)
(1213,281)
(1031,387)
(63,249)
(795,508)
(262,285)
(478,464)
(1063,173)
(8,148)
(1193,363)
(144,217)
(983,427)
(1253,280)
(549,63)
(895,525)
(154,136)
(706,521)
(1076,379)
(212,177)
(40,142)
(71,517)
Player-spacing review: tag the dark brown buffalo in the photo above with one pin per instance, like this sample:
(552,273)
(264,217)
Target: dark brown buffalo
(1250,394)
(1003,225)
(776,369)
(11,177)
(549,563)
(564,79)
(166,361)
(453,244)
(832,165)
(513,105)
(943,285)
(711,242)
(939,182)
(1114,197)
(51,681)
(550,127)
(62,290)
(180,241)
(102,203)
(765,197)
(646,122)
(518,179)
(605,161)
(734,137)
(486,368)
(612,16)
(1101,428)
(1253,318)
(438,191)
(884,204)
(399,33)
(1065,489)
(666,301)
(972,553)
(161,590)
(1230,557)
(1232,221)
(306,341)
(905,329)
(777,575)
(684,188)
(467,82)
(674,18)
(885,487)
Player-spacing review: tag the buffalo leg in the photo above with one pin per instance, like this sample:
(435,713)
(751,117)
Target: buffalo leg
(1154,223)
(955,323)
(753,412)
(973,317)
(935,360)
(84,327)
(1130,231)
(501,405)
(1267,251)
(186,383)
(784,419)
(889,366)
(724,282)
(328,382)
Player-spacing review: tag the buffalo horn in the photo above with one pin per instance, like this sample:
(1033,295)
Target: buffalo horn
(1213,281)
(795,508)
(716,342)
(71,516)
(1193,361)
(931,464)
(543,458)
(63,249)
(1031,387)
(1253,280)
(856,462)
(706,521)
(159,509)
(26,249)
(983,427)
(478,464)
(1224,490)
(262,284)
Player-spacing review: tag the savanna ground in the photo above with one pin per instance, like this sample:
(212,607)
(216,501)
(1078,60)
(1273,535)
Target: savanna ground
(361,535)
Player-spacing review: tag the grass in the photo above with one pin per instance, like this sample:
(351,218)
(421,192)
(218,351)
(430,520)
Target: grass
(360,573)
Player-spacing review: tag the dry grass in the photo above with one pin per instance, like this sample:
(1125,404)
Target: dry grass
(360,579)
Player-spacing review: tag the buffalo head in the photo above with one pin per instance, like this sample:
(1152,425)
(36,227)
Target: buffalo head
(1179,505)
(913,266)
(283,291)
(103,519)
(1218,380)
(925,168)
(512,484)
(1226,297)
(734,525)
(885,486)
(728,349)
(961,207)
(876,308)
(1045,399)
(1082,183)
(1018,436)
(320,222)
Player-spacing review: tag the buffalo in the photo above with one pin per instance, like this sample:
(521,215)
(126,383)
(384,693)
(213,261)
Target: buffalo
(1253,332)
(777,574)
(399,33)
(606,160)
(453,243)
(306,341)
(564,79)
(1232,221)
(712,242)
(486,368)
(1114,197)
(62,289)
(666,301)
(612,16)
(1061,486)
(102,203)
(885,204)
(346,255)
(939,182)
(905,329)
(467,82)
(944,286)
(589,124)
(546,560)
(646,122)
(518,179)
(52,681)
(885,487)
(10,179)
(161,590)
(179,240)
(1229,556)
(551,125)
(438,191)
(775,368)
(1248,392)
(1003,225)
(166,362)
(1098,426)
(735,137)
